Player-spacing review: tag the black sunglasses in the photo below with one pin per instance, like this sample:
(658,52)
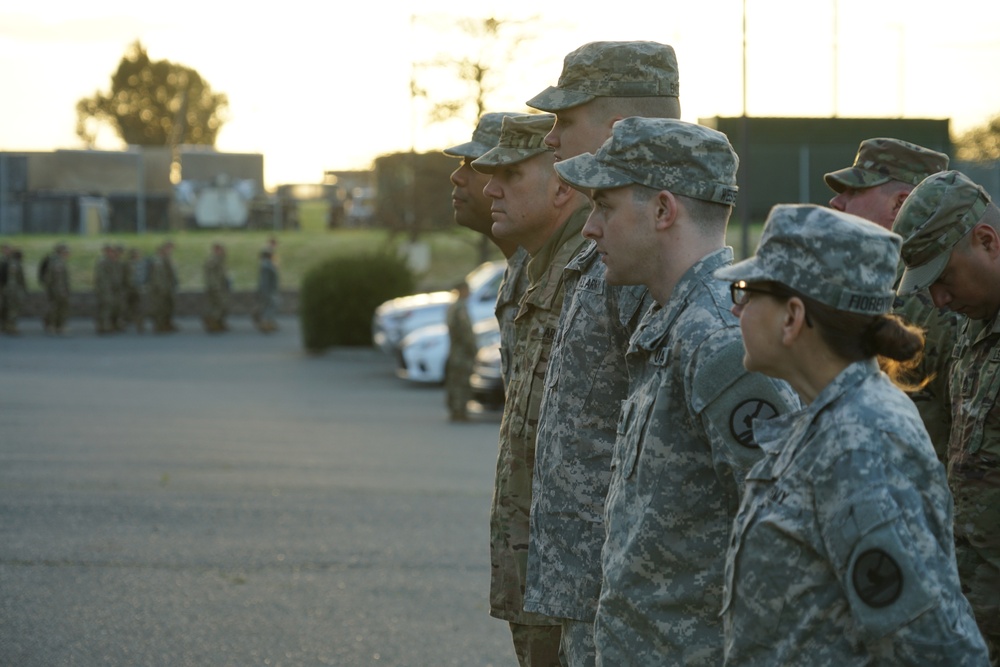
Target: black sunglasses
(740,292)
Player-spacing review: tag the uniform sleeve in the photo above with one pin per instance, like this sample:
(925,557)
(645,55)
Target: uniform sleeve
(727,399)
(898,582)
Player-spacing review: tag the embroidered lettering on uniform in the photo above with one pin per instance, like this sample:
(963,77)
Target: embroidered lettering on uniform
(995,355)
(869,304)
(548,334)
(877,579)
(661,357)
(741,419)
(591,284)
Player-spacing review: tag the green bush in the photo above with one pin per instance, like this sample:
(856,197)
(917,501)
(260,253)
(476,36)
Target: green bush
(339,296)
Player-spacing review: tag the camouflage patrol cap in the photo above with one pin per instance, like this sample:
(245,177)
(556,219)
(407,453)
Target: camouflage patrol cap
(484,137)
(661,153)
(839,259)
(940,212)
(612,69)
(521,137)
(882,160)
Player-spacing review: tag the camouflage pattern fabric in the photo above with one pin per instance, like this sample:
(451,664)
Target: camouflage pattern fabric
(536,645)
(974,469)
(940,333)
(216,288)
(461,355)
(585,384)
(521,137)
(612,69)
(941,328)
(268,297)
(660,153)
(162,288)
(535,326)
(512,289)
(14,293)
(881,160)
(56,283)
(484,137)
(842,551)
(684,446)
(106,291)
(941,211)
(844,261)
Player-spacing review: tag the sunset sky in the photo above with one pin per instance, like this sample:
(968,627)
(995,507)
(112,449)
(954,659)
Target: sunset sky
(317,88)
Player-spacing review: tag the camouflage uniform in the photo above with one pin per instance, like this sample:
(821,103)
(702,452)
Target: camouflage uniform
(942,211)
(56,282)
(512,289)
(14,292)
(105,291)
(216,291)
(842,550)
(683,437)
(461,354)
(584,386)
(162,288)
(587,378)
(883,160)
(133,278)
(268,297)
(534,330)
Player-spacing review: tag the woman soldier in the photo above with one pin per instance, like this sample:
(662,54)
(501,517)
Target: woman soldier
(842,551)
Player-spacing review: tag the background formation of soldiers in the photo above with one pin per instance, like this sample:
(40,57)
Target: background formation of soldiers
(130,289)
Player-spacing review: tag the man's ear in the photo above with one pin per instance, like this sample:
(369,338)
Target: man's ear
(564,193)
(666,209)
(793,320)
(988,238)
(897,201)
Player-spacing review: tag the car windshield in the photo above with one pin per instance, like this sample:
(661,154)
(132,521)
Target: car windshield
(481,274)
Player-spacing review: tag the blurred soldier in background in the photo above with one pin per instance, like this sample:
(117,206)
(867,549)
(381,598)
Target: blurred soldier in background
(15,290)
(162,289)
(461,353)
(104,290)
(268,297)
(54,277)
(216,290)
(134,276)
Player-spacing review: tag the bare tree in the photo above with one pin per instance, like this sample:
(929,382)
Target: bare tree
(473,69)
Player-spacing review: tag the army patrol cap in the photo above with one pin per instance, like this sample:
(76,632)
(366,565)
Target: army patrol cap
(484,137)
(521,137)
(941,211)
(839,259)
(661,153)
(612,69)
(882,160)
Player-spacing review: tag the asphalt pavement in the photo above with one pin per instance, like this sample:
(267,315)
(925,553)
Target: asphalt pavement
(231,500)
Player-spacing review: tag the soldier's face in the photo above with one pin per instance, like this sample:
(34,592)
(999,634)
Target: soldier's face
(875,204)
(578,130)
(522,197)
(472,206)
(965,285)
(761,325)
(624,228)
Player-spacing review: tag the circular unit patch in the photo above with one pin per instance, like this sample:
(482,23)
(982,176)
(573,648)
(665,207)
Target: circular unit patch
(877,579)
(741,419)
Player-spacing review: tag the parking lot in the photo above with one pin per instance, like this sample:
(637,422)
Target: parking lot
(230,500)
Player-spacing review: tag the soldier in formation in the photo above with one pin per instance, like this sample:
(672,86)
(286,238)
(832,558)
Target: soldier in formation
(216,290)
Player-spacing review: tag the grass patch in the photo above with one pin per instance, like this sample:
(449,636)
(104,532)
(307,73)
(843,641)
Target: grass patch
(453,253)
